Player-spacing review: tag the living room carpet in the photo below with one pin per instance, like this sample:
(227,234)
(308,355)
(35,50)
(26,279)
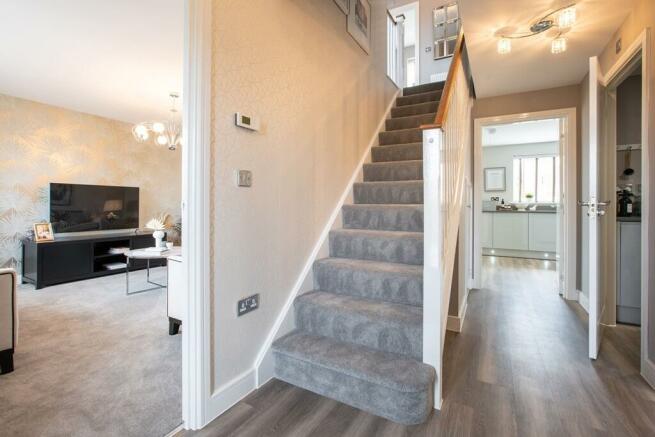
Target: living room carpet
(91,361)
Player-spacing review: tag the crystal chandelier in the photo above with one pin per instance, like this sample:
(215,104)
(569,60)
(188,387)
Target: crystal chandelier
(164,133)
(561,19)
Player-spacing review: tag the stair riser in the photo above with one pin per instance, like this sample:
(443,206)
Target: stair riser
(418,98)
(388,193)
(406,111)
(387,286)
(403,152)
(405,408)
(401,137)
(404,250)
(383,219)
(394,171)
(409,122)
(378,333)
(425,88)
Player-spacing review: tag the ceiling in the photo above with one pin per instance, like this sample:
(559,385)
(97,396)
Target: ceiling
(118,59)
(524,132)
(530,66)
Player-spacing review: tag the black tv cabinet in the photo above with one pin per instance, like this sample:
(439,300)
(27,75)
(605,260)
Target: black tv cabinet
(69,259)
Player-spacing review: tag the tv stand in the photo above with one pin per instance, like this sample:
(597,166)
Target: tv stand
(69,259)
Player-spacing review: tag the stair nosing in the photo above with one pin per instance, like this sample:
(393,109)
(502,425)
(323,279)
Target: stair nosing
(422,94)
(395,234)
(383,163)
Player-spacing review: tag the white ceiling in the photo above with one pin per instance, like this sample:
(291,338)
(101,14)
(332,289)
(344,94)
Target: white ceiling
(530,66)
(524,132)
(117,59)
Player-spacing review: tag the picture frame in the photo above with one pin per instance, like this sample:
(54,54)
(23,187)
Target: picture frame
(43,232)
(359,23)
(495,179)
(344,5)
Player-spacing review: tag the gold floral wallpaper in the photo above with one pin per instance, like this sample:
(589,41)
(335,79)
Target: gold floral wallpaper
(40,144)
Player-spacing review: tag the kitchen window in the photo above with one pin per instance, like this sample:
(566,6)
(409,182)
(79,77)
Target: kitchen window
(536,179)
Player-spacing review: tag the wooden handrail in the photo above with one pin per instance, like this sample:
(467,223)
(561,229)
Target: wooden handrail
(447,91)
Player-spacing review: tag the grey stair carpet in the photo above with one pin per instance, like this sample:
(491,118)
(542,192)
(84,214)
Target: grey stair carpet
(359,334)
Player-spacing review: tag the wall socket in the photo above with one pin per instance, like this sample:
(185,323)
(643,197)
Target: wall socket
(244,178)
(244,306)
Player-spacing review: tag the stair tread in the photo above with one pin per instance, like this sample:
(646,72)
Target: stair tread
(374,309)
(382,183)
(392,163)
(431,86)
(377,233)
(415,106)
(398,145)
(378,266)
(384,205)
(382,368)
(409,117)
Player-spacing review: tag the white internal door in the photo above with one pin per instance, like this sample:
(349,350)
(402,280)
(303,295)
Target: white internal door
(596,205)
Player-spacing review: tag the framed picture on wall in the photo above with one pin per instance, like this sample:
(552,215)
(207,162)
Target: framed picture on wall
(343,5)
(359,23)
(494,179)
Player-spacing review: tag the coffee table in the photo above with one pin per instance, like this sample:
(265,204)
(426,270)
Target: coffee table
(148,256)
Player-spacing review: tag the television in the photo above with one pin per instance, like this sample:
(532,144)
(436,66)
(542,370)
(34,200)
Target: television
(83,208)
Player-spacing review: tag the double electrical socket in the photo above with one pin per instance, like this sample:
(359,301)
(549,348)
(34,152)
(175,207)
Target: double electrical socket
(247,305)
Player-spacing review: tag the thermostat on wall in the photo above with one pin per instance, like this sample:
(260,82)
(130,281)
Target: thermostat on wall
(246,121)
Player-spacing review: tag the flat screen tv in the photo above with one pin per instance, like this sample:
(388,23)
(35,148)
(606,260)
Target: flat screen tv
(82,208)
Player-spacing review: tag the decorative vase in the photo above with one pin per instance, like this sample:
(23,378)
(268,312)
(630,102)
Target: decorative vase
(159,238)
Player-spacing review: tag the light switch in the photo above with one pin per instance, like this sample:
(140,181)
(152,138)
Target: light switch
(246,121)
(244,178)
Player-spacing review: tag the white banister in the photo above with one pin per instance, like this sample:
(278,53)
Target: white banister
(444,164)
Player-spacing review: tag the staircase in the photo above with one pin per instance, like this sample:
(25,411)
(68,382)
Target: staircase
(359,335)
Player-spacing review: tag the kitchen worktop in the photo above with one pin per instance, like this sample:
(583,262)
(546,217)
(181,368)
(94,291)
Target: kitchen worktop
(629,219)
(541,211)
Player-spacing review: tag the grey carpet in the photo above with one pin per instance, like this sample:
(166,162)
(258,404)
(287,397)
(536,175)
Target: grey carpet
(91,361)
(359,334)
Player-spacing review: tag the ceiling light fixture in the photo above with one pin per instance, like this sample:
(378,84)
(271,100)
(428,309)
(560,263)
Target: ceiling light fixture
(558,45)
(165,133)
(504,46)
(562,19)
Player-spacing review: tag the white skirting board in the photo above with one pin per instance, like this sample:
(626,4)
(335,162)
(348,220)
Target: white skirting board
(284,322)
(455,323)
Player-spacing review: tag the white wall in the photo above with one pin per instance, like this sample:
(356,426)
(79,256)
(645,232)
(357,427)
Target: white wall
(503,156)
(320,99)
(428,65)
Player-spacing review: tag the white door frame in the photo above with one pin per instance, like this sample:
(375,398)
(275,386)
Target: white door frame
(417,46)
(642,44)
(196,328)
(568,149)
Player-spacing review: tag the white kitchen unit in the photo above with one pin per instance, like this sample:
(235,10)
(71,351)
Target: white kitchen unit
(510,230)
(177,293)
(486,228)
(628,269)
(543,232)
(524,234)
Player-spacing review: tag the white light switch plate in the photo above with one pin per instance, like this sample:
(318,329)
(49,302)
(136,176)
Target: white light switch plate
(246,121)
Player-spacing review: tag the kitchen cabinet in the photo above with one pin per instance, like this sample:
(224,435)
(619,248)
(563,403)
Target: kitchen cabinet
(543,232)
(524,231)
(510,231)
(486,229)
(628,278)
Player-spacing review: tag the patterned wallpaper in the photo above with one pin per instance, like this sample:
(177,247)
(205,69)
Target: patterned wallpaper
(40,144)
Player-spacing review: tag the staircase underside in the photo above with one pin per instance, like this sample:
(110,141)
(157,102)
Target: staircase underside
(359,334)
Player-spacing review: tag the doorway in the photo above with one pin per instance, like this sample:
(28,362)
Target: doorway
(403,50)
(524,195)
(617,196)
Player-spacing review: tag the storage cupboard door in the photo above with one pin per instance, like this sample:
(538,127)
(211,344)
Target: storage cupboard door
(64,262)
(510,230)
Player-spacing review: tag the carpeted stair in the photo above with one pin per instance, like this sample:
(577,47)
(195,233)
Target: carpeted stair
(359,334)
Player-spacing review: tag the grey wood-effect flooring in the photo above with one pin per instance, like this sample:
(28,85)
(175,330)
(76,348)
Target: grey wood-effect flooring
(518,368)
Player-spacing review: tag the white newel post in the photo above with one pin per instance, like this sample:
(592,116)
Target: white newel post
(432,254)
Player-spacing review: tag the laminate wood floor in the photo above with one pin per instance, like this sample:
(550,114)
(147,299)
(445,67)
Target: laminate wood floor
(518,368)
